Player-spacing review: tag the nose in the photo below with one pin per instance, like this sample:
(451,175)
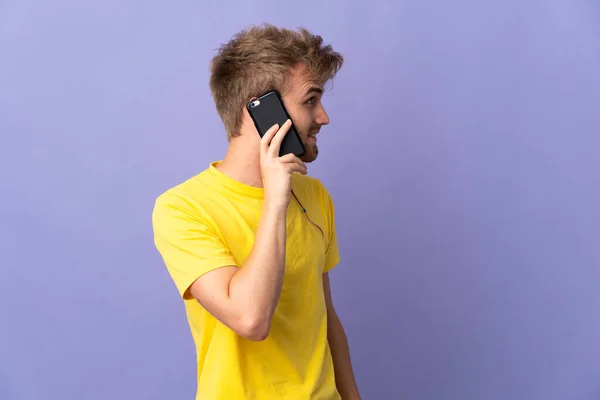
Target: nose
(322,117)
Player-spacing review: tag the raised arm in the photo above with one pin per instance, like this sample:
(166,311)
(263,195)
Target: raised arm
(245,298)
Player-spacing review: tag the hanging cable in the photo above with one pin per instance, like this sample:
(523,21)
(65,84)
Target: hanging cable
(306,213)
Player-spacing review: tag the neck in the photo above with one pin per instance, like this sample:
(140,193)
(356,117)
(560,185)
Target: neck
(242,161)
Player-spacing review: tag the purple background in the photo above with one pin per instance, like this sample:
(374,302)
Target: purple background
(462,157)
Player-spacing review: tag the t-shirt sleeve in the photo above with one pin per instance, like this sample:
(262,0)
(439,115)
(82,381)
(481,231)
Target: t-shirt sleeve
(332,254)
(188,241)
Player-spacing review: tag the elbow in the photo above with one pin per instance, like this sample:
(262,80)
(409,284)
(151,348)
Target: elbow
(255,329)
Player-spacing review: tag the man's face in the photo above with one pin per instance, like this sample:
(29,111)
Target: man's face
(303,103)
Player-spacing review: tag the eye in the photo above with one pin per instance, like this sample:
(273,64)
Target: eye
(311,100)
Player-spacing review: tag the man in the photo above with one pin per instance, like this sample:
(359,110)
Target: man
(251,264)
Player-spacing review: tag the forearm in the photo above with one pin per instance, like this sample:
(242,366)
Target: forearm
(340,352)
(255,288)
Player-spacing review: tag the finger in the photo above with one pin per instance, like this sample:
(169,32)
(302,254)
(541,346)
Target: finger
(288,158)
(266,139)
(296,167)
(278,138)
(301,163)
(292,158)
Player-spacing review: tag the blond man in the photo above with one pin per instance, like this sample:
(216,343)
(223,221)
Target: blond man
(250,240)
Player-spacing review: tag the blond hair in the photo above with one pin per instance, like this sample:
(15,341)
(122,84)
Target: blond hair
(259,59)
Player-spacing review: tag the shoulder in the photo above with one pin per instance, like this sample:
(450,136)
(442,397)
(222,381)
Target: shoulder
(310,184)
(182,199)
(314,189)
(176,195)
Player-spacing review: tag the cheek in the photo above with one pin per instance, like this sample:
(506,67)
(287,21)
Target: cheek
(302,117)
(303,121)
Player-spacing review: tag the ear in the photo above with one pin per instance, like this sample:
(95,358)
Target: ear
(247,123)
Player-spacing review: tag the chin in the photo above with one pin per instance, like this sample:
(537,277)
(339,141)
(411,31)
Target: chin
(310,155)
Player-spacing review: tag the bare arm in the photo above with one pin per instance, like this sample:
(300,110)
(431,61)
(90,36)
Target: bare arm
(340,352)
(245,298)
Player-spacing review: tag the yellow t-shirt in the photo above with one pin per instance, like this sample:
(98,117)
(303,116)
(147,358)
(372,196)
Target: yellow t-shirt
(209,221)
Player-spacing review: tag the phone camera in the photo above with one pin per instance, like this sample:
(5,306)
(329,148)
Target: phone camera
(254,103)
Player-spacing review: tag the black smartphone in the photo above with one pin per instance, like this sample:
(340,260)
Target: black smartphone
(268,110)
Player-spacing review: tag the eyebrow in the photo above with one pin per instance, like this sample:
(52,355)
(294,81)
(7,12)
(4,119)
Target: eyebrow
(314,89)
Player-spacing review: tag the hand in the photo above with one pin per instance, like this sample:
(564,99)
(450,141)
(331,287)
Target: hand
(277,171)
